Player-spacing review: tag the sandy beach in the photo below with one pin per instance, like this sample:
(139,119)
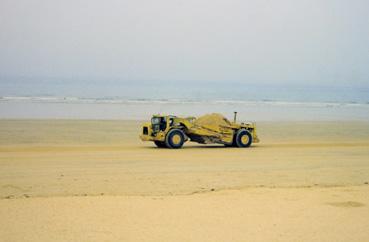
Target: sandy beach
(81,180)
(78,79)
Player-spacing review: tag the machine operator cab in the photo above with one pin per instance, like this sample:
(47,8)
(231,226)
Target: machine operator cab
(160,123)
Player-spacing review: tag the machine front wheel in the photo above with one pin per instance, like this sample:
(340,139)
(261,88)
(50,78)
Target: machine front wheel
(243,138)
(175,139)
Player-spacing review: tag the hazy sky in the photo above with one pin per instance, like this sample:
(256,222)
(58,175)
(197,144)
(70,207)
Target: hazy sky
(261,41)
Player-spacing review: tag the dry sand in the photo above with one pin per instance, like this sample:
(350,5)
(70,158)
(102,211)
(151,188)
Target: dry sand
(95,181)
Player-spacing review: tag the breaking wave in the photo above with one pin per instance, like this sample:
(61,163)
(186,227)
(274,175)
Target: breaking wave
(143,101)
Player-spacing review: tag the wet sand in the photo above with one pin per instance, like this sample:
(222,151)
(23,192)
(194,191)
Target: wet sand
(95,181)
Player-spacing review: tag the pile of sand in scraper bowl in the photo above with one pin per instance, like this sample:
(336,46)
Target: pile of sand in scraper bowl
(212,121)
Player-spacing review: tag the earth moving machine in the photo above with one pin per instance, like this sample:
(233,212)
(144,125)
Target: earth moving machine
(172,132)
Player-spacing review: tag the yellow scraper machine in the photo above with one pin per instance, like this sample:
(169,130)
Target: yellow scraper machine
(171,132)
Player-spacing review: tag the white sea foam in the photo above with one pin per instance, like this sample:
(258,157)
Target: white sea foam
(55,99)
(138,109)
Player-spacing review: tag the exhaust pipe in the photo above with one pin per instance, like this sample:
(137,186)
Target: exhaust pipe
(235,117)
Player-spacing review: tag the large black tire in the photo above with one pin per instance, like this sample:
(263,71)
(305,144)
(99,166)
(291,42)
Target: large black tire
(175,139)
(243,138)
(160,144)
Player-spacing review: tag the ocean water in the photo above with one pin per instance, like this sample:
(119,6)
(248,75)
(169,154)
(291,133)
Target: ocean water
(186,91)
(138,101)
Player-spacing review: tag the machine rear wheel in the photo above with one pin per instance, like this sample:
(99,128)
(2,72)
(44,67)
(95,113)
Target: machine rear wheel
(243,138)
(175,139)
(160,144)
